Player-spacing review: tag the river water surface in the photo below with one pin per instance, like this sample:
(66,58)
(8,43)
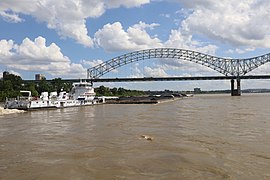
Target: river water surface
(203,137)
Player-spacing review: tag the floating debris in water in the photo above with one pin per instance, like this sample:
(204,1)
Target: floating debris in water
(148,138)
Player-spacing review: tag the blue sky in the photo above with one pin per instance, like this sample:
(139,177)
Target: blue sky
(63,38)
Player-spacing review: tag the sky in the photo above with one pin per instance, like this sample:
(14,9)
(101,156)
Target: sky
(64,38)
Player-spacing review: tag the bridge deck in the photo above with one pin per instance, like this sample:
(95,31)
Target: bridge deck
(164,78)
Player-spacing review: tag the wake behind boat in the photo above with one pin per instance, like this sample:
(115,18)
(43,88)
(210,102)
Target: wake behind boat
(81,94)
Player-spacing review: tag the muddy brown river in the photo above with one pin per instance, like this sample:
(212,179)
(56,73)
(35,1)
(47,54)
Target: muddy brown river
(203,137)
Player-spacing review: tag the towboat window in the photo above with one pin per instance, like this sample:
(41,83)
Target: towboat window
(25,93)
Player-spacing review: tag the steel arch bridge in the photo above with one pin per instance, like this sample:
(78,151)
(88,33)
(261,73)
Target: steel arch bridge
(225,66)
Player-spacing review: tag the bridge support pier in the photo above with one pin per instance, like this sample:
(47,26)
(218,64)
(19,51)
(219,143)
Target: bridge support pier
(237,91)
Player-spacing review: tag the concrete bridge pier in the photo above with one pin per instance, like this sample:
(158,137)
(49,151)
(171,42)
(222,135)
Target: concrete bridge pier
(237,91)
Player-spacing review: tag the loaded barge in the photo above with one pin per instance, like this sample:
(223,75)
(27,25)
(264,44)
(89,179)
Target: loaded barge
(144,99)
(81,94)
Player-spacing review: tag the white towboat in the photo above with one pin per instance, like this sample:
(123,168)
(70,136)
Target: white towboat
(81,94)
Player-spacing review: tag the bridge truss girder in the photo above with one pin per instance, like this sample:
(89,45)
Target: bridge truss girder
(226,66)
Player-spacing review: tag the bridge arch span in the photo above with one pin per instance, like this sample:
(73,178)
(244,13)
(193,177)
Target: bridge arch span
(226,66)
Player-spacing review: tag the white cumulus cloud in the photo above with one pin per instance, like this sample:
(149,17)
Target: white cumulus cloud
(126,3)
(92,63)
(6,47)
(11,17)
(68,18)
(36,56)
(178,40)
(113,37)
(239,23)
(155,72)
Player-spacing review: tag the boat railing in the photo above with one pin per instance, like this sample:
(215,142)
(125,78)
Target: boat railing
(24,98)
(10,99)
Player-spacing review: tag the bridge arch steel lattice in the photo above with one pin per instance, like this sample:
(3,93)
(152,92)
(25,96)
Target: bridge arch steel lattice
(226,66)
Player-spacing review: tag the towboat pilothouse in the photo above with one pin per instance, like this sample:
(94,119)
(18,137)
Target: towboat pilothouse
(81,94)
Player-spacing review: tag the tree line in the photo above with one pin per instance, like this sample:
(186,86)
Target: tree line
(10,86)
(105,91)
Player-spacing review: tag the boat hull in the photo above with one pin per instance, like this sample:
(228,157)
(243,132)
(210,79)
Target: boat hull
(37,104)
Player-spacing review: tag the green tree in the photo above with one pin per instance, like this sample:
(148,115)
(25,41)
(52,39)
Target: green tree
(7,85)
(114,91)
(32,87)
(44,86)
(57,84)
(15,80)
(103,91)
(10,86)
(121,91)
